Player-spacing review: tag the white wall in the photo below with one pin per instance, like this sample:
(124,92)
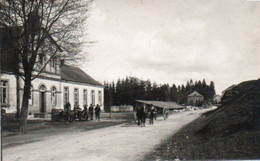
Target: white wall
(12,92)
(81,87)
(48,83)
(35,107)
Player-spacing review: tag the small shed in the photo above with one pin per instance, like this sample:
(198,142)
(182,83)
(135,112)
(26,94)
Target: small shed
(195,99)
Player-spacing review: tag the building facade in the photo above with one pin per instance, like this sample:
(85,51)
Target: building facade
(195,98)
(56,86)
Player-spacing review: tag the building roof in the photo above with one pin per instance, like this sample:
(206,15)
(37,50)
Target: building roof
(9,58)
(162,104)
(195,94)
(75,74)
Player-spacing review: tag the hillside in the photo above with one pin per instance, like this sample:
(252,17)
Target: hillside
(229,132)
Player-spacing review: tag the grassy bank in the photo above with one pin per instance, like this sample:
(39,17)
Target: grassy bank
(230,132)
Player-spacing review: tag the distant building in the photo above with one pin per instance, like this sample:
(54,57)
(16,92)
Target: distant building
(217,99)
(195,98)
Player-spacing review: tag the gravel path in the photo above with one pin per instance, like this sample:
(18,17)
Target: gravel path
(120,142)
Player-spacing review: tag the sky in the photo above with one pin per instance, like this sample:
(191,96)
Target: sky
(172,41)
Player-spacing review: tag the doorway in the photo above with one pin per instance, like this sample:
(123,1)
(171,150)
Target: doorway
(42,99)
(42,102)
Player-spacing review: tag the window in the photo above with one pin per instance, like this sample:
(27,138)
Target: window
(85,97)
(4,93)
(31,96)
(42,88)
(53,96)
(93,97)
(41,59)
(54,64)
(76,96)
(99,97)
(66,95)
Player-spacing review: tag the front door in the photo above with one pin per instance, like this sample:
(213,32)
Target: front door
(42,102)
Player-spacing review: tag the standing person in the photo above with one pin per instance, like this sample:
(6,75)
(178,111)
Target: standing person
(68,113)
(97,112)
(85,111)
(91,111)
(155,113)
(75,110)
(140,113)
(67,107)
(151,114)
(144,115)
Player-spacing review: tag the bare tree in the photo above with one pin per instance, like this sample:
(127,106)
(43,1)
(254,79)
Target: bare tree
(43,29)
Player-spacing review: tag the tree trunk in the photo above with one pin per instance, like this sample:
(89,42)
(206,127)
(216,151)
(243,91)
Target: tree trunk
(18,97)
(24,111)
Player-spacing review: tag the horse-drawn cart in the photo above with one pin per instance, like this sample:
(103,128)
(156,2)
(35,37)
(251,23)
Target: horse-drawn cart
(163,107)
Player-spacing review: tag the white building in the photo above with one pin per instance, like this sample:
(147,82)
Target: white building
(58,84)
(194,98)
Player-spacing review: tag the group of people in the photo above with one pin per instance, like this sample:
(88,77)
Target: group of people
(91,110)
(143,112)
(88,111)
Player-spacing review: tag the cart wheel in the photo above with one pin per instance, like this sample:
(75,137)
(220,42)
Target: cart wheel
(165,113)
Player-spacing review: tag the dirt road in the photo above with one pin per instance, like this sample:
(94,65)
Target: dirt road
(120,142)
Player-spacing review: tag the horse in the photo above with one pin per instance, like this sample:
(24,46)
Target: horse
(141,115)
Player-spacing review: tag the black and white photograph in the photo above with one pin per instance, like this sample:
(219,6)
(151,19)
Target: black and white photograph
(129,80)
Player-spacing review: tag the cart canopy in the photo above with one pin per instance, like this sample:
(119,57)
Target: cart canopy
(162,104)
